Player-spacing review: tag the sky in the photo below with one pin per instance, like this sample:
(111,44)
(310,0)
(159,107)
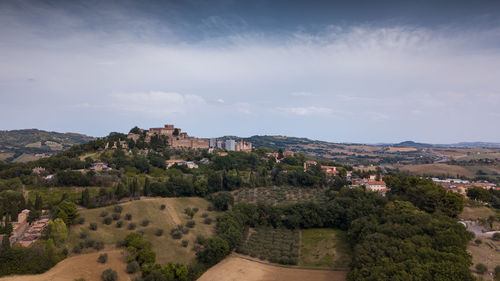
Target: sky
(363,71)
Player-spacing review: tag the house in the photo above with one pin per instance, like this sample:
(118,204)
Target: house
(171,162)
(19,226)
(374,185)
(330,170)
(134,137)
(38,170)
(100,166)
(309,163)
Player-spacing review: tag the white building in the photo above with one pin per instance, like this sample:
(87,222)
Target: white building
(230,145)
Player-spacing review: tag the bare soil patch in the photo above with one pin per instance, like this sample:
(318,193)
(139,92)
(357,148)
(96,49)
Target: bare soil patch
(238,269)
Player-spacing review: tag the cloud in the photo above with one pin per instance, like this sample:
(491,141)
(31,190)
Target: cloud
(411,78)
(156,103)
(301,94)
(306,111)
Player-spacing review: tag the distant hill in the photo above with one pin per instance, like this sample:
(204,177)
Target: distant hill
(31,144)
(413,144)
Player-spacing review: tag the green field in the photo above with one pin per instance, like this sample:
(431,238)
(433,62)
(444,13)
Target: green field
(276,245)
(324,247)
(166,248)
(279,195)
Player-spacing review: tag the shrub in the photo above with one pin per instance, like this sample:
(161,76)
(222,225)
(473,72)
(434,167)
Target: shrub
(159,232)
(107,220)
(84,234)
(204,215)
(190,224)
(176,233)
(80,279)
(119,224)
(185,230)
(481,268)
(196,210)
(118,209)
(77,249)
(162,207)
(104,213)
(109,275)
(210,208)
(103,258)
(132,267)
(497,271)
(140,232)
(496,236)
(207,221)
(131,226)
(89,243)
(145,222)
(137,278)
(93,226)
(99,246)
(81,220)
(128,216)
(115,216)
(478,241)
(185,243)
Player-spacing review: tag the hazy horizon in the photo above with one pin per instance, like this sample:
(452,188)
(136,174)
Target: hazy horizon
(359,72)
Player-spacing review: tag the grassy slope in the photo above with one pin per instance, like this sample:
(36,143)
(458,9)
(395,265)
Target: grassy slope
(324,247)
(166,248)
(82,266)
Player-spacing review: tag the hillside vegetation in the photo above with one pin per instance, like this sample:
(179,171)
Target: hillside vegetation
(22,145)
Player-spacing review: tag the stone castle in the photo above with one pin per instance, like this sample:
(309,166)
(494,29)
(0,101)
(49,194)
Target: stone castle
(176,138)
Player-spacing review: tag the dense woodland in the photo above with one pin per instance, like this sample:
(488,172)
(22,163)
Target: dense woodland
(411,234)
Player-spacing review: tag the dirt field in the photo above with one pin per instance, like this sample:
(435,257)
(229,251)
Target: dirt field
(484,253)
(83,266)
(401,149)
(238,269)
(475,213)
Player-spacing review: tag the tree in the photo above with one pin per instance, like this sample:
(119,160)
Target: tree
(146,190)
(57,231)
(481,268)
(86,197)
(215,250)
(66,211)
(223,200)
(109,275)
(478,193)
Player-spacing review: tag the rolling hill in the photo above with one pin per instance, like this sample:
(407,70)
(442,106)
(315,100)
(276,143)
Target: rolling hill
(31,144)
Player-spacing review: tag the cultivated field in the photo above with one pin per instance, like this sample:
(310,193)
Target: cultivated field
(82,266)
(438,170)
(276,245)
(167,248)
(236,268)
(324,247)
(279,195)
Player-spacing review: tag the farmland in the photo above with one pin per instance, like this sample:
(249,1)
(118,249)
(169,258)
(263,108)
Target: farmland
(323,247)
(147,216)
(279,195)
(236,268)
(273,244)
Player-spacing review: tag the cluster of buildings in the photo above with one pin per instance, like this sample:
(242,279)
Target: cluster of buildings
(372,184)
(461,186)
(329,170)
(231,145)
(178,139)
(24,233)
